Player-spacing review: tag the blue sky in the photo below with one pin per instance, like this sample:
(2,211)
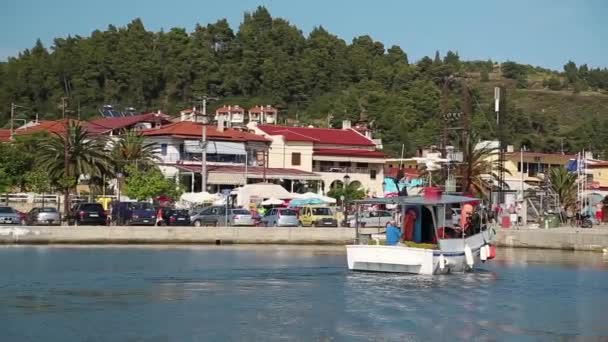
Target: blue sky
(539,32)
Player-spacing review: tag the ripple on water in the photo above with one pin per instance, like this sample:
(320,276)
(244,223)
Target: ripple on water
(292,294)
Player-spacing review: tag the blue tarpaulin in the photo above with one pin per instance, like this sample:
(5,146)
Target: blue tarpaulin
(572,165)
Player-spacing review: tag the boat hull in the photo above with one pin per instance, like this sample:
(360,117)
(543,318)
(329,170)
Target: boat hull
(450,257)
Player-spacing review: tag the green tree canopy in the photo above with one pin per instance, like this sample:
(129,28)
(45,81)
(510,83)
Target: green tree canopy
(148,184)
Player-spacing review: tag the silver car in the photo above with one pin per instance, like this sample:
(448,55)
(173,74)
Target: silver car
(378,218)
(45,216)
(240,217)
(280,217)
(8,215)
(216,216)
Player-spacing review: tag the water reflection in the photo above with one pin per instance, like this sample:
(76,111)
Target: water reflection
(294,293)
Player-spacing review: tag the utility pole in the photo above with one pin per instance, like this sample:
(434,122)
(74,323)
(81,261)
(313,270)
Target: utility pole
(66,162)
(12,119)
(204,122)
(466,110)
(444,113)
(63,107)
(13,107)
(500,100)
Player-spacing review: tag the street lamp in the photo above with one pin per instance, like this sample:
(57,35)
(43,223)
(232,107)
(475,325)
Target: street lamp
(342,198)
(346,179)
(119,176)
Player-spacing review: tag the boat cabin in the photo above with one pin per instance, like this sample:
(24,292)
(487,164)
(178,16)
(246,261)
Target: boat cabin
(427,220)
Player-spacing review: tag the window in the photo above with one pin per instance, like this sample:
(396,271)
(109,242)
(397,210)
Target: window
(287,212)
(163,149)
(321,211)
(372,174)
(296,158)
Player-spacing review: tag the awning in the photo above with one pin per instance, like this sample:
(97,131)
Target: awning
(235,174)
(225,147)
(192,146)
(215,147)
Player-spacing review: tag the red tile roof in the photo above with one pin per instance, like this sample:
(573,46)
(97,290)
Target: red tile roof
(126,121)
(349,153)
(58,127)
(5,135)
(251,170)
(189,129)
(329,136)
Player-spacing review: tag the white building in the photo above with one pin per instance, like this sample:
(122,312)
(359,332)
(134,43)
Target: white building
(329,152)
(234,157)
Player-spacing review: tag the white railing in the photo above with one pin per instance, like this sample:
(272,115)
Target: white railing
(338,169)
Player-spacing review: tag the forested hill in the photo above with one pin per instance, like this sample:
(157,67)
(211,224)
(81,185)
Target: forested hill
(315,79)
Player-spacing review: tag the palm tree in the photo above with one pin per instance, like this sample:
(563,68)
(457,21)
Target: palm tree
(563,183)
(479,168)
(132,149)
(67,156)
(478,171)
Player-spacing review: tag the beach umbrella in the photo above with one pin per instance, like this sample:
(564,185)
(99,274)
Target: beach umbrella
(272,201)
(299,202)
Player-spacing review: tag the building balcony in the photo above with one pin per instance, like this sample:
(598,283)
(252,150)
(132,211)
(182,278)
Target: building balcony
(195,158)
(337,169)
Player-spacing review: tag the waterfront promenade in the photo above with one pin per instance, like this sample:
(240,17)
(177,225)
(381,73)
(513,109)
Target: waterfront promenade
(566,238)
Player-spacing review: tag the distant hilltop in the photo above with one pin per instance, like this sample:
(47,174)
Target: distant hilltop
(316,79)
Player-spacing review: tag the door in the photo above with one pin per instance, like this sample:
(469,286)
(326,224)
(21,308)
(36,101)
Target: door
(208,216)
(384,217)
(271,218)
(373,220)
(307,217)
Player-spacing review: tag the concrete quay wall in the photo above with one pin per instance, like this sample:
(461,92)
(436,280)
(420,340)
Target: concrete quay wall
(595,239)
(567,238)
(176,235)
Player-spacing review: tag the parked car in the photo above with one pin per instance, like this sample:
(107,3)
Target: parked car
(240,217)
(87,213)
(209,216)
(43,216)
(376,218)
(9,215)
(216,216)
(176,217)
(317,216)
(280,217)
(133,213)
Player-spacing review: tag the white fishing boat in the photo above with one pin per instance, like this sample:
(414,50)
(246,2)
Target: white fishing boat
(435,246)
